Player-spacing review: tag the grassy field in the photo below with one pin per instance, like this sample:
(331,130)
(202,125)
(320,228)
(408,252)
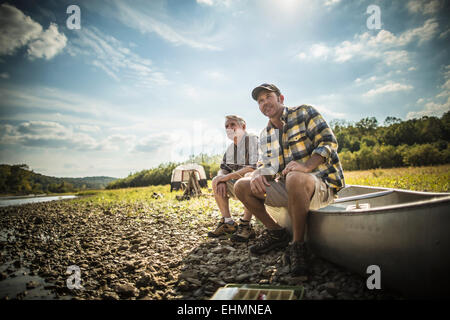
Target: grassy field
(435,178)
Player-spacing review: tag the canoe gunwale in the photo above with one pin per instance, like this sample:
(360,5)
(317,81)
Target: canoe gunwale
(442,197)
(399,190)
(364,196)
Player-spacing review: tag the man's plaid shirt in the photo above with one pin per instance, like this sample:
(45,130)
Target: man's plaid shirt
(304,133)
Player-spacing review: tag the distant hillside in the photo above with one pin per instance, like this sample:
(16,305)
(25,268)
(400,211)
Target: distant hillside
(161,174)
(18,180)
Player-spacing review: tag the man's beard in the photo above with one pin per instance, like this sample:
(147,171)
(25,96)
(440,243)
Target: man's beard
(231,134)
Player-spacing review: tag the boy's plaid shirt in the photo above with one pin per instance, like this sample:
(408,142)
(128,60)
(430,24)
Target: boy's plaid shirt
(304,133)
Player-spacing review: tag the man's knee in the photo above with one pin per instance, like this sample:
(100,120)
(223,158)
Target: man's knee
(299,181)
(242,187)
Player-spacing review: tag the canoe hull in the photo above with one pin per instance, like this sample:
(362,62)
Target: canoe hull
(411,247)
(405,233)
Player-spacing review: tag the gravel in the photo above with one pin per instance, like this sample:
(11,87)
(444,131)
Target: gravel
(148,250)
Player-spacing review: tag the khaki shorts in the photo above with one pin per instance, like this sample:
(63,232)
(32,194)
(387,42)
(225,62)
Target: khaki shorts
(230,189)
(277,196)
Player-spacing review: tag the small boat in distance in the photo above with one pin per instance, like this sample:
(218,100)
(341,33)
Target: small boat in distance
(405,233)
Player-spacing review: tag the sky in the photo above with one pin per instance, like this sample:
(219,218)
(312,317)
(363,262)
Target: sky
(127,85)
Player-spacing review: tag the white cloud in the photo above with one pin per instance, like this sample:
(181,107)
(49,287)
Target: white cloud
(431,109)
(329,3)
(116,60)
(359,81)
(388,87)
(191,92)
(206,2)
(422,34)
(319,51)
(43,102)
(215,75)
(445,93)
(225,3)
(54,135)
(425,7)
(51,134)
(384,46)
(88,128)
(302,56)
(46,134)
(327,111)
(153,142)
(145,22)
(48,44)
(439,104)
(396,57)
(444,34)
(119,142)
(19,30)
(4,75)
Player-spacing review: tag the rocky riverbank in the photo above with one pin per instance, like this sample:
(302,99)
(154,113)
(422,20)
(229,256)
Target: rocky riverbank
(146,250)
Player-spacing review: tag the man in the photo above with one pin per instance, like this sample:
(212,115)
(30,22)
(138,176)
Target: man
(239,159)
(300,153)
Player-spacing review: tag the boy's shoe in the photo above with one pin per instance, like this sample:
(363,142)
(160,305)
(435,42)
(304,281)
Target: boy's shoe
(223,229)
(269,240)
(244,232)
(298,258)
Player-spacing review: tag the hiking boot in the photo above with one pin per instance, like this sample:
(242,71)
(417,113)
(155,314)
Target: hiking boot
(298,258)
(244,232)
(223,229)
(270,239)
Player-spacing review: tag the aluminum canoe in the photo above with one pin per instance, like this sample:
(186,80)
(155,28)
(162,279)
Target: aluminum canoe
(405,233)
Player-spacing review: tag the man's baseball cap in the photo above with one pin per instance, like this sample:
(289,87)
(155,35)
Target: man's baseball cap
(265,86)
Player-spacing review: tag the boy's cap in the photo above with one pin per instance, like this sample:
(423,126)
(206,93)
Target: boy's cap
(264,86)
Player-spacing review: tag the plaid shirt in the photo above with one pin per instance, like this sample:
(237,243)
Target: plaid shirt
(304,133)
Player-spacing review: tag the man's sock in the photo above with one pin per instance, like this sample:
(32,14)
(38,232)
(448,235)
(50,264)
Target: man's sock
(229,220)
(244,221)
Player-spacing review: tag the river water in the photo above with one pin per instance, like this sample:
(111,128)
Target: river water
(16,283)
(11,201)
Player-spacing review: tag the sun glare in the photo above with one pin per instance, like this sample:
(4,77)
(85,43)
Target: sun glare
(288,6)
(284,9)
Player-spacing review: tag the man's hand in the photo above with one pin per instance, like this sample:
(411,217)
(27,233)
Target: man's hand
(222,190)
(258,184)
(216,182)
(307,167)
(295,166)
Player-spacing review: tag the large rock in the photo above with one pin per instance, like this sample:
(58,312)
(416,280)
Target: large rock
(127,290)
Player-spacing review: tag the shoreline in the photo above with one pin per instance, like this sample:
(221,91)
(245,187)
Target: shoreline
(150,250)
(32,196)
(21,201)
